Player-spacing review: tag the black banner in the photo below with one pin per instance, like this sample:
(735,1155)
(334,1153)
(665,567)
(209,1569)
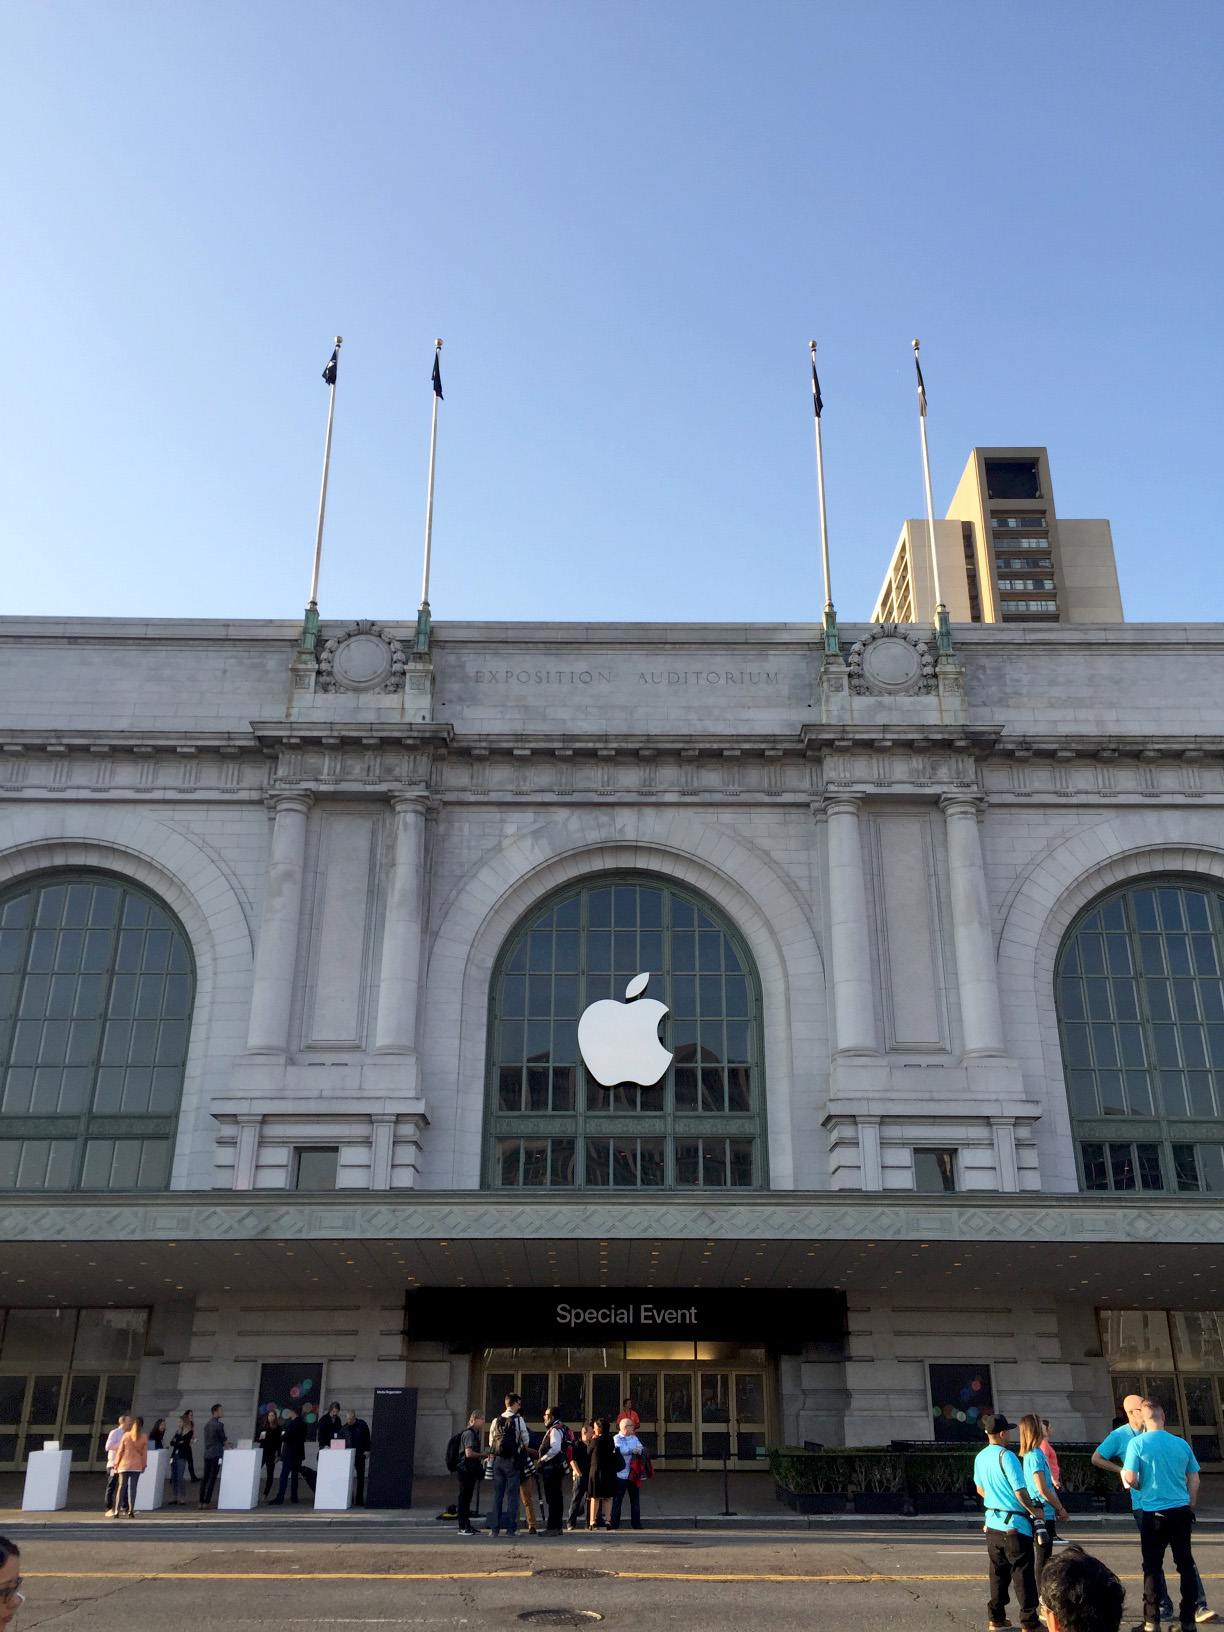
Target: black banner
(589,1317)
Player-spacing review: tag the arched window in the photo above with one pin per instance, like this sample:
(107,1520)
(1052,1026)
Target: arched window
(550,1124)
(96,992)
(1140,997)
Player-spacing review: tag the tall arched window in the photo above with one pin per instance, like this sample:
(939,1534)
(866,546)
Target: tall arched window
(96,991)
(1140,996)
(549,1123)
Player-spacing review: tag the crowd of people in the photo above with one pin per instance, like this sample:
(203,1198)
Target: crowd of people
(1023,1509)
(281,1436)
(605,1464)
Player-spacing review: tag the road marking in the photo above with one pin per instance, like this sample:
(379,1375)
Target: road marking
(486,1575)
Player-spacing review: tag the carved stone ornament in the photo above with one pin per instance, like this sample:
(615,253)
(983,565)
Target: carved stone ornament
(364,658)
(892,661)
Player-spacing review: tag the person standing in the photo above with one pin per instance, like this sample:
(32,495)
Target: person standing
(628,1409)
(157,1435)
(551,1465)
(606,1463)
(189,1418)
(357,1438)
(113,1440)
(216,1442)
(999,1479)
(268,1437)
(470,1470)
(292,1454)
(580,1468)
(130,1462)
(509,1442)
(629,1479)
(180,1445)
(1109,1455)
(1164,1471)
(1050,1454)
(330,1426)
(1039,1482)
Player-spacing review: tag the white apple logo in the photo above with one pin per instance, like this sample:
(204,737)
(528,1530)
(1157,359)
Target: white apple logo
(620,1041)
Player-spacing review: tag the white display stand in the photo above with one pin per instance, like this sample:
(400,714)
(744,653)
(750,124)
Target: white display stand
(46,1481)
(334,1479)
(151,1486)
(240,1474)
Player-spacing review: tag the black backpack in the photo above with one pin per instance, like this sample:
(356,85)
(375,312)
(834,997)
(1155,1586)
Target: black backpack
(454,1453)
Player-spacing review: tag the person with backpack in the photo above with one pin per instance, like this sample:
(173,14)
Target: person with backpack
(553,1460)
(509,1442)
(465,1460)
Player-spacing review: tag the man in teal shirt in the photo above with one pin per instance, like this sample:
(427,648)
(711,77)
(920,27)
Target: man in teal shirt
(1009,1527)
(1108,1455)
(1164,1473)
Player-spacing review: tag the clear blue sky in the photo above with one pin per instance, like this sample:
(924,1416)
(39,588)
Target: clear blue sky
(626,220)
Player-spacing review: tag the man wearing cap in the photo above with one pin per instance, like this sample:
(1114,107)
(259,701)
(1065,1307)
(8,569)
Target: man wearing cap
(1009,1526)
(1108,1455)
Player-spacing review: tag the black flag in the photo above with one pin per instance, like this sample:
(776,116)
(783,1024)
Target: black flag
(437,374)
(921,389)
(329,373)
(817,400)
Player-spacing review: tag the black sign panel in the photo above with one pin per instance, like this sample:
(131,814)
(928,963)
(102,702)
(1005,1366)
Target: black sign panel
(581,1317)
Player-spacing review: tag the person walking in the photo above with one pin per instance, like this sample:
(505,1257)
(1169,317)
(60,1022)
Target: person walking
(191,1471)
(1039,1482)
(999,1479)
(357,1438)
(551,1465)
(606,1463)
(1109,1455)
(629,1479)
(268,1438)
(1164,1471)
(113,1441)
(580,1469)
(292,1455)
(11,1595)
(470,1470)
(510,1443)
(130,1462)
(216,1442)
(180,1445)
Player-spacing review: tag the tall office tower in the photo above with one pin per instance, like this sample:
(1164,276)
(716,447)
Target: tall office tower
(1005,555)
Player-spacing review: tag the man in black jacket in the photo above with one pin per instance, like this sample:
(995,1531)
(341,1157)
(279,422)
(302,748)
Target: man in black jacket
(293,1454)
(357,1433)
(331,1426)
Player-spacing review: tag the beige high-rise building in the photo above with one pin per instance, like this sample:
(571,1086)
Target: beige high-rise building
(1005,555)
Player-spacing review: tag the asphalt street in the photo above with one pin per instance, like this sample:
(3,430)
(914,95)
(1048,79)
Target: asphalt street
(863,1578)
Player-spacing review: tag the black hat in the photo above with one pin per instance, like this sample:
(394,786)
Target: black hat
(996,1424)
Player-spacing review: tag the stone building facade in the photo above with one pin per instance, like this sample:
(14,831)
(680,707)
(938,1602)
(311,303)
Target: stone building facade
(296,945)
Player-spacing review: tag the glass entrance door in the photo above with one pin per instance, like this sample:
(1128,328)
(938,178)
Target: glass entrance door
(77,1408)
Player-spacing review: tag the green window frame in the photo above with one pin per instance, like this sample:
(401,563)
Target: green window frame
(548,1123)
(1139,992)
(97,990)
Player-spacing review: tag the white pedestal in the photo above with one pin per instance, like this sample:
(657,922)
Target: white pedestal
(151,1486)
(240,1473)
(46,1481)
(334,1479)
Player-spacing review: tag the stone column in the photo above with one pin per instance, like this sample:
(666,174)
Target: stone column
(276,950)
(246,1155)
(402,924)
(849,950)
(972,933)
(871,1163)
(382,1150)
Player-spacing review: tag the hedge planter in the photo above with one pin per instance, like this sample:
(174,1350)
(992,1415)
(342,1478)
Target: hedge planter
(1118,1501)
(1081,1501)
(813,1501)
(939,1501)
(879,1501)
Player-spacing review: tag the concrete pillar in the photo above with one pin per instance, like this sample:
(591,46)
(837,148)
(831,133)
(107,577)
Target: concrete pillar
(849,950)
(246,1155)
(871,1162)
(972,933)
(276,950)
(382,1147)
(402,925)
(1007,1164)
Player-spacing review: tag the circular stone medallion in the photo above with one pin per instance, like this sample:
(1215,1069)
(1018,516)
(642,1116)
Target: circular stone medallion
(891,662)
(362,661)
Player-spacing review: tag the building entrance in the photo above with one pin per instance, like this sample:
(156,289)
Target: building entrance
(698,1402)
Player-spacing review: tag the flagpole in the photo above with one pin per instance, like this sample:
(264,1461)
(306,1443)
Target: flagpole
(943,630)
(421,643)
(831,642)
(310,627)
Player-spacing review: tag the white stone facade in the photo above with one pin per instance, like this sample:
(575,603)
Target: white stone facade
(902,861)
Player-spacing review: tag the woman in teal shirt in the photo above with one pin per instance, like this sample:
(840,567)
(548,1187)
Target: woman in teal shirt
(1039,1482)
